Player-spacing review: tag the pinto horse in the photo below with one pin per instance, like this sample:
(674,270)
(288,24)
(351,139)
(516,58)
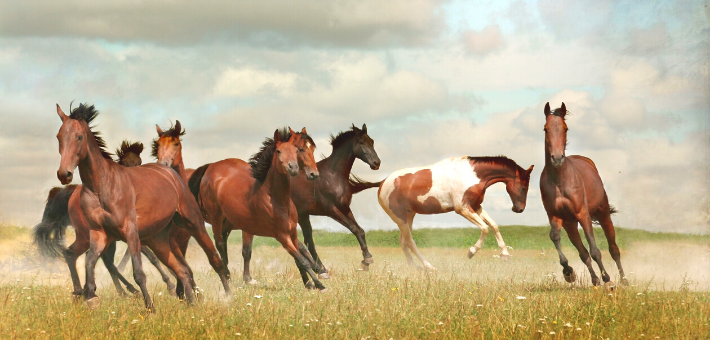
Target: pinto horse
(331,194)
(63,209)
(453,184)
(131,204)
(572,192)
(255,198)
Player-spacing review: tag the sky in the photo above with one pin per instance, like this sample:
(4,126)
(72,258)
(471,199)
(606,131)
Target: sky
(431,79)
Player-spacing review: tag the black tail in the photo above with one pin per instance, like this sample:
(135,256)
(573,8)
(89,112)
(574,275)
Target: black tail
(357,184)
(195,180)
(612,211)
(49,234)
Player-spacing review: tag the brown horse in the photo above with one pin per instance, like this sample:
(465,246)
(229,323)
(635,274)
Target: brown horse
(572,192)
(255,197)
(453,184)
(130,204)
(63,209)
(331,194)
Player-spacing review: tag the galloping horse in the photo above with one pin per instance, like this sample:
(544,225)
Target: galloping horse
(453,184)
(331,194)
(572,192)
(63,209)
(255,197)
(130,204)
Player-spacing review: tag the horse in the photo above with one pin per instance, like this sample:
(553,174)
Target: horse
(63,209)
(453,184)
(131,204)
(331,194)
(572,192)
(167,150)
(255,197)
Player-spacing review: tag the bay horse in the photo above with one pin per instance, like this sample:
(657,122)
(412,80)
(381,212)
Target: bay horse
(331,194)
(131,204)
(255,197)
(572,192)
(63,209)
(453,184)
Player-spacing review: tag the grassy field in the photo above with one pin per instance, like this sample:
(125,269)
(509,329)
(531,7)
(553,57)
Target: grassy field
(484,297)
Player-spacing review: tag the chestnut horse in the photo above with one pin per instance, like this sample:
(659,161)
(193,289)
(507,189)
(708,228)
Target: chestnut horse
(572,192)
(255,197)
(453,184)
(63,209)
(130,204)
(331,194)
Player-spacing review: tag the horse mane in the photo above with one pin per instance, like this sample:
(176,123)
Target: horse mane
(260,162)
(128,147)
(88,113)
(500,160)
(172,132)
(560,113)
(343,136)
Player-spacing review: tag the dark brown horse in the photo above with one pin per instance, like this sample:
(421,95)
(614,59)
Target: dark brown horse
(331,194)
(131,204)
(454,184)
(63,209)
(572,192)
(255,197)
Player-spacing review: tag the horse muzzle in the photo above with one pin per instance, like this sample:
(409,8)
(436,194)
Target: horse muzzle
(557,161)
(65,177)
(375,165)
(311,175)
(518,209)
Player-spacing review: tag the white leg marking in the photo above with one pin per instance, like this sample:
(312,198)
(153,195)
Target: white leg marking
(499,237)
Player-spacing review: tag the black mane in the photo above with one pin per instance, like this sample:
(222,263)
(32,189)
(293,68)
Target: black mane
(172,132)
(499,160)
(260,162)
(344,136)
(560,113)
(128,147)
(88,114)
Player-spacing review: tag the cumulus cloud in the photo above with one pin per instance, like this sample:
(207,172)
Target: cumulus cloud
(309,22)
(483,42)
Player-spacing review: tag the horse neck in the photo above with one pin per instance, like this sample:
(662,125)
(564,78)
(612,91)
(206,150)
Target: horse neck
(179,166)
(94,170)
(341,160)
(493,173)
(278,187)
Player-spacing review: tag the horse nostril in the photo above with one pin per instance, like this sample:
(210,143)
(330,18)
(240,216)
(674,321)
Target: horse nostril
(69,174)
(377,162)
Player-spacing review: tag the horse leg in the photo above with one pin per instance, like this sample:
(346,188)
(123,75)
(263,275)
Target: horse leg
(80,246)
(98,243)
(116,276)
(468,213)
(305,222)
(360,235)
(404,235)
(134,245)
(586,221)
(246,254)
(124,261)
(499,238)
(409,240)
(573,234)
(191,220)
(226,230)
(178,240)
(219,240)
(162,249)
(610,233)
(555,226)
(290,243)
(156,262)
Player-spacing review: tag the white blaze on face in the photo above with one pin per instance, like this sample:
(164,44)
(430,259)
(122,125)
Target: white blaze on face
(308,145)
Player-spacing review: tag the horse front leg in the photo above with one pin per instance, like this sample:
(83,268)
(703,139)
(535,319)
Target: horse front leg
(98,242)
(156,262)
(116,277)
(305,222)
(555,227)
(468,213)
(134,246)
(346,219)
(246,255)
(499,238)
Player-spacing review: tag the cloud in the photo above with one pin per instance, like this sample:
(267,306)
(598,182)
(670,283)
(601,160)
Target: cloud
(483,42)
(245,82)
(337,23)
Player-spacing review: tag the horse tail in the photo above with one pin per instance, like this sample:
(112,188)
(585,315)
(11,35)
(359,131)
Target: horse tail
(195,180)
(357,184)
(49,234)
(612,211)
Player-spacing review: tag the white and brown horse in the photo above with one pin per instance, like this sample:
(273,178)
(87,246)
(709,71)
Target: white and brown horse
(453,184)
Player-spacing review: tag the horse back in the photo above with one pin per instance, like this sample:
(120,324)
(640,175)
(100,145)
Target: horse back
(158,190)
(225,188)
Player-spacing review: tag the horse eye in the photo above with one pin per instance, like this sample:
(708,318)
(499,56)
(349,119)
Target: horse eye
(176,144)
(278,152)
(545,129)
(81,137)
(301,150)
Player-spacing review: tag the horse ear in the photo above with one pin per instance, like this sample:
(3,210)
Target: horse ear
(530,169)
(293,133)
(160,131)
(61,114)
(364,128)
(564,109)
(178,127)
(277,136)
(547,109)
(303,131)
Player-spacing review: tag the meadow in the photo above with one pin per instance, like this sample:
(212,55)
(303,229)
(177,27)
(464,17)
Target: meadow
(668,295)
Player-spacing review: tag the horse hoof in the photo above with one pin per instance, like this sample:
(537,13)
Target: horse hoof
(364,266)
(93,303)
(505,257)
(251,282)
(471,252)
(368,260)
(609,286)
(309,285)
(172,292)
(624,281)
(571,277)
(429,268)
(324,290)
(324,276)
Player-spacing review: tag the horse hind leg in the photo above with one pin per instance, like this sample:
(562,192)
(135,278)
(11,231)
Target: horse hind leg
(412,245)
(584,255)
(156,262)
(477,220)
(164,251)
(247,240)
(304,266)
(596,254)
(108,257)
(608,227)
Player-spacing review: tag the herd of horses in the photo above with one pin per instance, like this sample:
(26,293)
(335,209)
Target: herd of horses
(157,208)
